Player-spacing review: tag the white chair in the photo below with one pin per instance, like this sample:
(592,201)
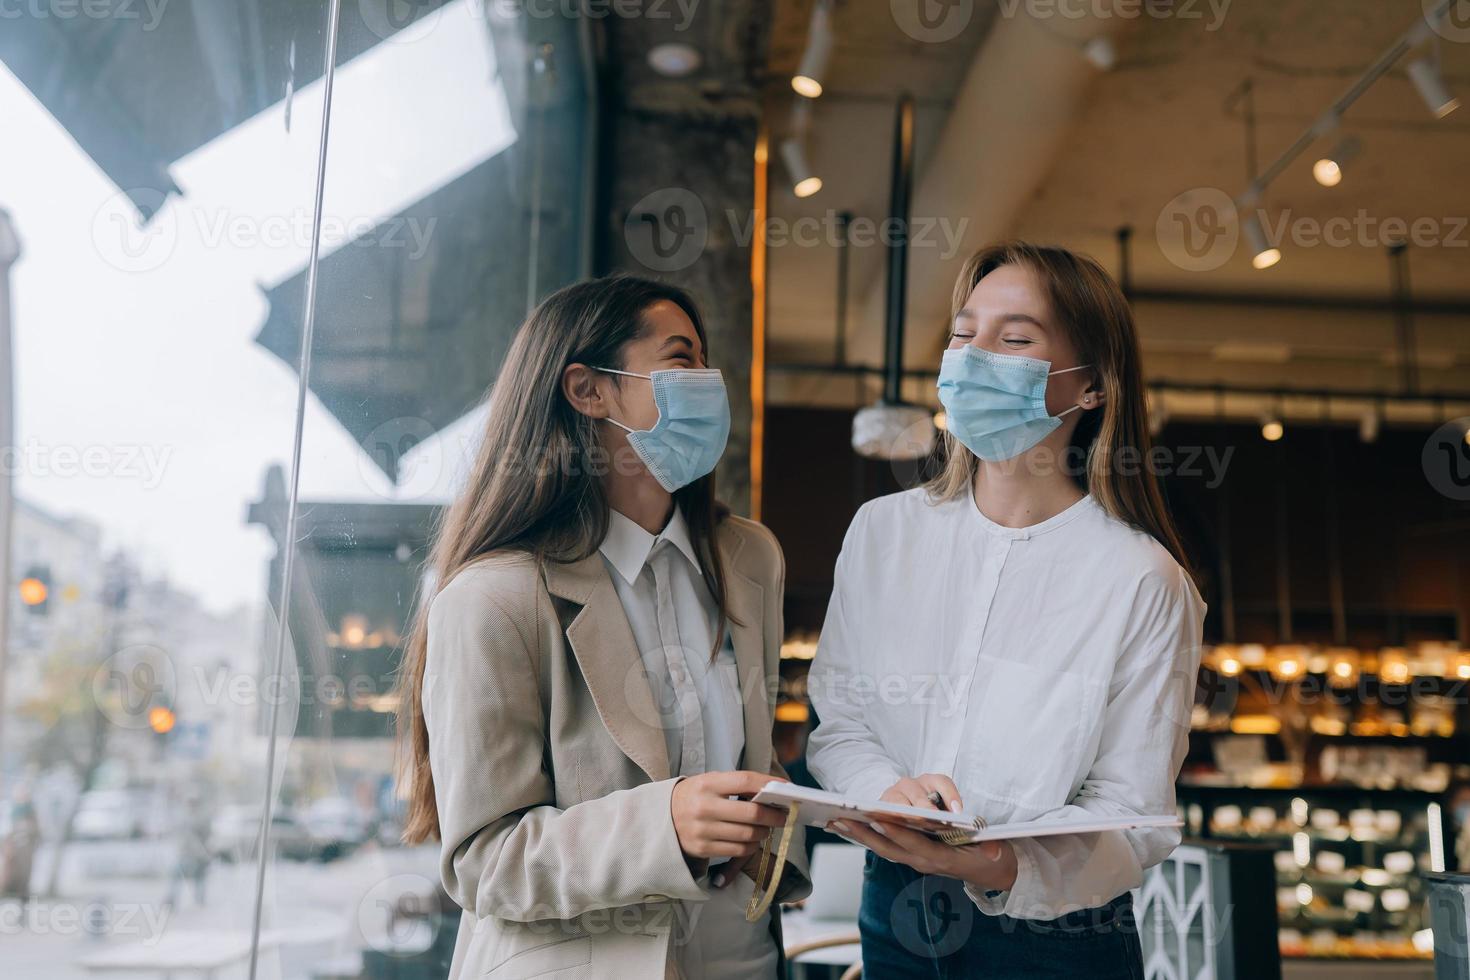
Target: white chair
(824,930)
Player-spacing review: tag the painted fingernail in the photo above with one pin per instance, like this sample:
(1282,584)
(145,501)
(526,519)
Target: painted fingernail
(880,829)
(954,806)
(840,827)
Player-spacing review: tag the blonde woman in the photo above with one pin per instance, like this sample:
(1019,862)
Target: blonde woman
(588,698)
(1018,639)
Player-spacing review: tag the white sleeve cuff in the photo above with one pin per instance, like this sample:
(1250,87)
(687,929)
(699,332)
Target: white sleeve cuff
(1013,900)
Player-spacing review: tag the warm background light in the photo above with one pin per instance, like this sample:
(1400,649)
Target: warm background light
(32,591)
(1327,172)
(161,720)
(808,87)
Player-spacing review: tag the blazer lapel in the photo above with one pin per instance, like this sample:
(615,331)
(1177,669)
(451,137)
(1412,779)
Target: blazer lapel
(746,600)
(603,644)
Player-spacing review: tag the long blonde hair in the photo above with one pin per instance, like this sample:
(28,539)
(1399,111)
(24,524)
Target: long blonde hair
(1092,309)
(536,484)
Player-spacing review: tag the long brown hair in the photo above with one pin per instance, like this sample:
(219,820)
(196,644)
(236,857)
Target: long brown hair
(1092,309)
(536,484)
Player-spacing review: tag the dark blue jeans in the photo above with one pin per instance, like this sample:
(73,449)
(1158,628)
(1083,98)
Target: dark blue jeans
(924,926)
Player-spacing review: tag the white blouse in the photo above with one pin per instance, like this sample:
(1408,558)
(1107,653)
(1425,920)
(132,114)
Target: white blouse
(1049,670)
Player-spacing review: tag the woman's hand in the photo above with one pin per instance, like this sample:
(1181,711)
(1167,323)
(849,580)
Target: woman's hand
(990,866)
(916,792)
(711,825)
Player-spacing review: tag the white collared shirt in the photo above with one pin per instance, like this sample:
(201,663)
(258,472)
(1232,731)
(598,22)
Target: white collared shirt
(1049,670)
(712,939)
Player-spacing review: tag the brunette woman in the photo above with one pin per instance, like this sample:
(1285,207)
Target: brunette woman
(588,698)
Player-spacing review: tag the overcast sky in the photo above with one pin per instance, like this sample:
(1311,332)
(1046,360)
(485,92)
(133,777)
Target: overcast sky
(142,401)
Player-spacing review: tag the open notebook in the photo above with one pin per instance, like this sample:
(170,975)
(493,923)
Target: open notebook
(819,807)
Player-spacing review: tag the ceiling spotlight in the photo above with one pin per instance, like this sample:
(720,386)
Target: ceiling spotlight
(813,67)
(1328,170)
(1272,428)
(804,183)
(674,60)
(1100,53)
(1158,413)
(1263,254)
(1369,425)
(1427,79)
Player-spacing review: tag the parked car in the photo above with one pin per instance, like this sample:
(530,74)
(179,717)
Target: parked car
(109,814)
(337,827)
(234,835)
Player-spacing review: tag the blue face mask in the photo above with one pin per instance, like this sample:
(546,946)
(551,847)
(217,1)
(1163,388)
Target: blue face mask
(693,425)
(996,403)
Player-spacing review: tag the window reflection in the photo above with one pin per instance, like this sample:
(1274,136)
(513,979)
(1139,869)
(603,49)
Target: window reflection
(165,203)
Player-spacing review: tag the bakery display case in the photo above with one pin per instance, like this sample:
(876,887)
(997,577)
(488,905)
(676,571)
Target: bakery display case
(1341,761)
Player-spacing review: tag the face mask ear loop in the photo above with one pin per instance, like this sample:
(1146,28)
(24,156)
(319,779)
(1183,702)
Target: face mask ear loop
(630,374)
(1070,370)
(1074,408)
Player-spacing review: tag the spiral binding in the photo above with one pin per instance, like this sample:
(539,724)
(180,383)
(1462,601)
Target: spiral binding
(959,837)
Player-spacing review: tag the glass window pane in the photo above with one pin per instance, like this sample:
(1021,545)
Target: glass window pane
(453,202)
(159,176)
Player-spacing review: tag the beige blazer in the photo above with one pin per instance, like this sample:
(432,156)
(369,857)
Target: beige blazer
(550,768)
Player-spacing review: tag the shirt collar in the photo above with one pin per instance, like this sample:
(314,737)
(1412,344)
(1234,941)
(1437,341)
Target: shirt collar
(627,546)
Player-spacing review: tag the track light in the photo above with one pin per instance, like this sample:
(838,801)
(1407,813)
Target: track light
(1426,78)
(1272,428)
(674,60)
(804,183)
(813,67)
(1328,170)
(1158,412)
(1369,425)
(1100,53)
(1263,254)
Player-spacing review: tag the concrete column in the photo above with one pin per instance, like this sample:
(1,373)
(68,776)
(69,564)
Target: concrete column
(676,182)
